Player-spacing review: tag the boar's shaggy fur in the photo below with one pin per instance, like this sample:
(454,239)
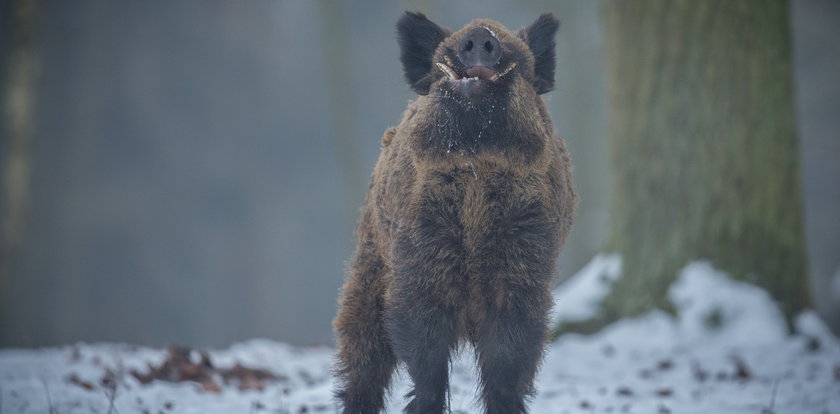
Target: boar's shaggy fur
(469,204)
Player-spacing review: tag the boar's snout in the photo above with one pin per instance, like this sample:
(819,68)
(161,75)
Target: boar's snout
(479,47)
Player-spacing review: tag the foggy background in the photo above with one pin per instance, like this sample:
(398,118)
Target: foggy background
(197,168)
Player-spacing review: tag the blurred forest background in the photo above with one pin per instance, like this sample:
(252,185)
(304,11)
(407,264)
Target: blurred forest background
(192,172)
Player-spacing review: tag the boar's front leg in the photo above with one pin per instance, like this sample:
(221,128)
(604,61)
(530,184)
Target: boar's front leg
(511,299)
(423,305)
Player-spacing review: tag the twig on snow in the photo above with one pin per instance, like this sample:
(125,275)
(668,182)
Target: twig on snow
(773,397)
(110,385)
(52,409)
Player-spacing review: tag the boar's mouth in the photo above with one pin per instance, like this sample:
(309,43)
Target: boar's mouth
(475,73)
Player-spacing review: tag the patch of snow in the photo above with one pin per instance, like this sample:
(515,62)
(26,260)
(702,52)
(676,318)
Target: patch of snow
(809,323)
(579,297)
(658,363)
(713,307)
(37,381)
(653,363)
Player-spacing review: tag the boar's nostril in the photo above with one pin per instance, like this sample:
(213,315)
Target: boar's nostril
(486,54)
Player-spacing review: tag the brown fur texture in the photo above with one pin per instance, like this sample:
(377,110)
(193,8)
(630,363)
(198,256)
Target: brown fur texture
(467,210)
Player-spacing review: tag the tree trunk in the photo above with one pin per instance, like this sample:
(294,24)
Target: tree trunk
(18,71)
(704,152)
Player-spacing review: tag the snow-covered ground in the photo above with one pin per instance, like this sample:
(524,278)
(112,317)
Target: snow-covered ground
(726,351)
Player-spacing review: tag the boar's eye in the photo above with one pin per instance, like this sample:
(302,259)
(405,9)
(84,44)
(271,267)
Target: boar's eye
(539,37)
(418,38)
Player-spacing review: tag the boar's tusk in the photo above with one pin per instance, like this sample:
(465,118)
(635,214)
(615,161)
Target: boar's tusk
(503,73)
(447,70)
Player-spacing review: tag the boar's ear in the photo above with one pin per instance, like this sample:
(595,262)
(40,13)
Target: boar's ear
(418,38)
(539,37)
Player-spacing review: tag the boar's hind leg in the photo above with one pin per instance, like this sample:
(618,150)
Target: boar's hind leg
(365,360)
